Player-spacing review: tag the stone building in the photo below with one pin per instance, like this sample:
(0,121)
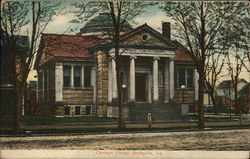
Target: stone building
(77,77)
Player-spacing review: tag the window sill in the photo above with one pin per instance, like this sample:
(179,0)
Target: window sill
(77,88)
(186,89)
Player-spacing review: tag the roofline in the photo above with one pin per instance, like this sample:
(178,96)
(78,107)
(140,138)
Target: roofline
(135,30)
(110,45)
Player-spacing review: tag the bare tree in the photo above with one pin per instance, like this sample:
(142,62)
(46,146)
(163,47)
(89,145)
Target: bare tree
(15,16)
(213,68)
(200,27)
(119,12)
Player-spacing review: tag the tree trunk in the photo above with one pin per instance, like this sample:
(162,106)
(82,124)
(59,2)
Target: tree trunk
(214,104)
(201,121)
(17,109)
(236,105)
(121,123)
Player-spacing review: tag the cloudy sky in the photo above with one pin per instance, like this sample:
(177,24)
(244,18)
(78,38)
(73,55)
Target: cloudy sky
(153,16)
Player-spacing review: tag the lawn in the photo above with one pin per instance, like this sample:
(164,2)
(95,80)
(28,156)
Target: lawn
(50,120)
(219,116)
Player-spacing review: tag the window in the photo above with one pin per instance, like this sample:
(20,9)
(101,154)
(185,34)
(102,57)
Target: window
(66,76)
(87,76)
(77,76)
(190,78)
(184,76)
(88,110)
(77,110)
(67,110)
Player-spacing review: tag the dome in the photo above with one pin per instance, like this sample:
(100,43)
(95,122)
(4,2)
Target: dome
(101,23)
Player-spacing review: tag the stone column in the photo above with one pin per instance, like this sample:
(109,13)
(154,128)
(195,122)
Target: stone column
(166,81)
(114,81)
(196,85)
(110,84)
(82,77)
(155,79)
(171,79)
(72,77)
(93,82)
(132,78)
(58,82)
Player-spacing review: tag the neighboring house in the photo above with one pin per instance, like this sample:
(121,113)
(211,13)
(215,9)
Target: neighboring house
(207,99)
(77,77)
(30,98)
(7,69)
(225,90)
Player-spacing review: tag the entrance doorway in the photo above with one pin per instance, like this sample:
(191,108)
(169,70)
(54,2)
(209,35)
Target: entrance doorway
(140,87)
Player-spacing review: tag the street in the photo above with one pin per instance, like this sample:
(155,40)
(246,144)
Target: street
(222,140)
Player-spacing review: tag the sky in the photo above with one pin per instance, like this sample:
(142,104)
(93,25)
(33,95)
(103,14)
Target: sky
(153,16)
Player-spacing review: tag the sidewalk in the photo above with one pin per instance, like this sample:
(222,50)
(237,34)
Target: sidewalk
(172,124)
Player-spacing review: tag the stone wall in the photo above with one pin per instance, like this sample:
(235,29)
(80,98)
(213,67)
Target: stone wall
(78,96)
(102,83)
(188,95)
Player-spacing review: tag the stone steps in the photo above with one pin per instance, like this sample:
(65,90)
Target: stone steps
(159,111)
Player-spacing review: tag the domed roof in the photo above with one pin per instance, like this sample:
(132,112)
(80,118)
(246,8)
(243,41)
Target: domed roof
(102,23)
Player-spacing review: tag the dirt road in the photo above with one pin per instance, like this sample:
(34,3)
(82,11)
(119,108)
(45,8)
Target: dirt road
(227,140)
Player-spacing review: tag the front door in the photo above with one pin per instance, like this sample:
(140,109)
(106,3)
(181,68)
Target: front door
(140,87)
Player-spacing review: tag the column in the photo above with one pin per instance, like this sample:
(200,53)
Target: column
(166,81)
(196,85)
(72,77)
(82,76)
(155,79)
(132,78)
(171,79)
(58,82)
(93,82)
(114,81)
(110,81)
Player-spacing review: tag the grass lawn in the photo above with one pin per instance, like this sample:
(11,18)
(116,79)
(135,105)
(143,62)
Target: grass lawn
(50,120)
(219,116)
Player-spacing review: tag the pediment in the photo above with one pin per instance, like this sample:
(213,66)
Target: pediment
(147,36)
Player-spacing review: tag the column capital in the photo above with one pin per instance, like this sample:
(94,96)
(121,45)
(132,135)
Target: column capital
(156,58)
(171,58)
(111,57)
(133,57)
(59,64)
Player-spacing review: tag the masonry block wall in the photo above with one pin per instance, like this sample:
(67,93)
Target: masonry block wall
(102,84)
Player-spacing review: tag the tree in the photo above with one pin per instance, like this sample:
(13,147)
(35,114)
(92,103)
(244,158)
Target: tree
(237,38)
(119,12)
(199,26)
(14,17)
(213,68)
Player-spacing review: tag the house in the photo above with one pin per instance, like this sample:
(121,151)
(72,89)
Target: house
(30,98)
(225,90)
(77,77)
(7,67)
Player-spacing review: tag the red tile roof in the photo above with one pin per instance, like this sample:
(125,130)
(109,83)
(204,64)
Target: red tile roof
(181,54)
(69,45)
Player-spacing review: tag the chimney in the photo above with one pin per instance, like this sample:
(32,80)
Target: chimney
(166,30)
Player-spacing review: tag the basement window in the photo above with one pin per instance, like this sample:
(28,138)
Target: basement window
(88,110)
(67,110)
(77,110)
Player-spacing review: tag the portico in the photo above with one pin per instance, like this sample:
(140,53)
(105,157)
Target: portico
(149,76)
